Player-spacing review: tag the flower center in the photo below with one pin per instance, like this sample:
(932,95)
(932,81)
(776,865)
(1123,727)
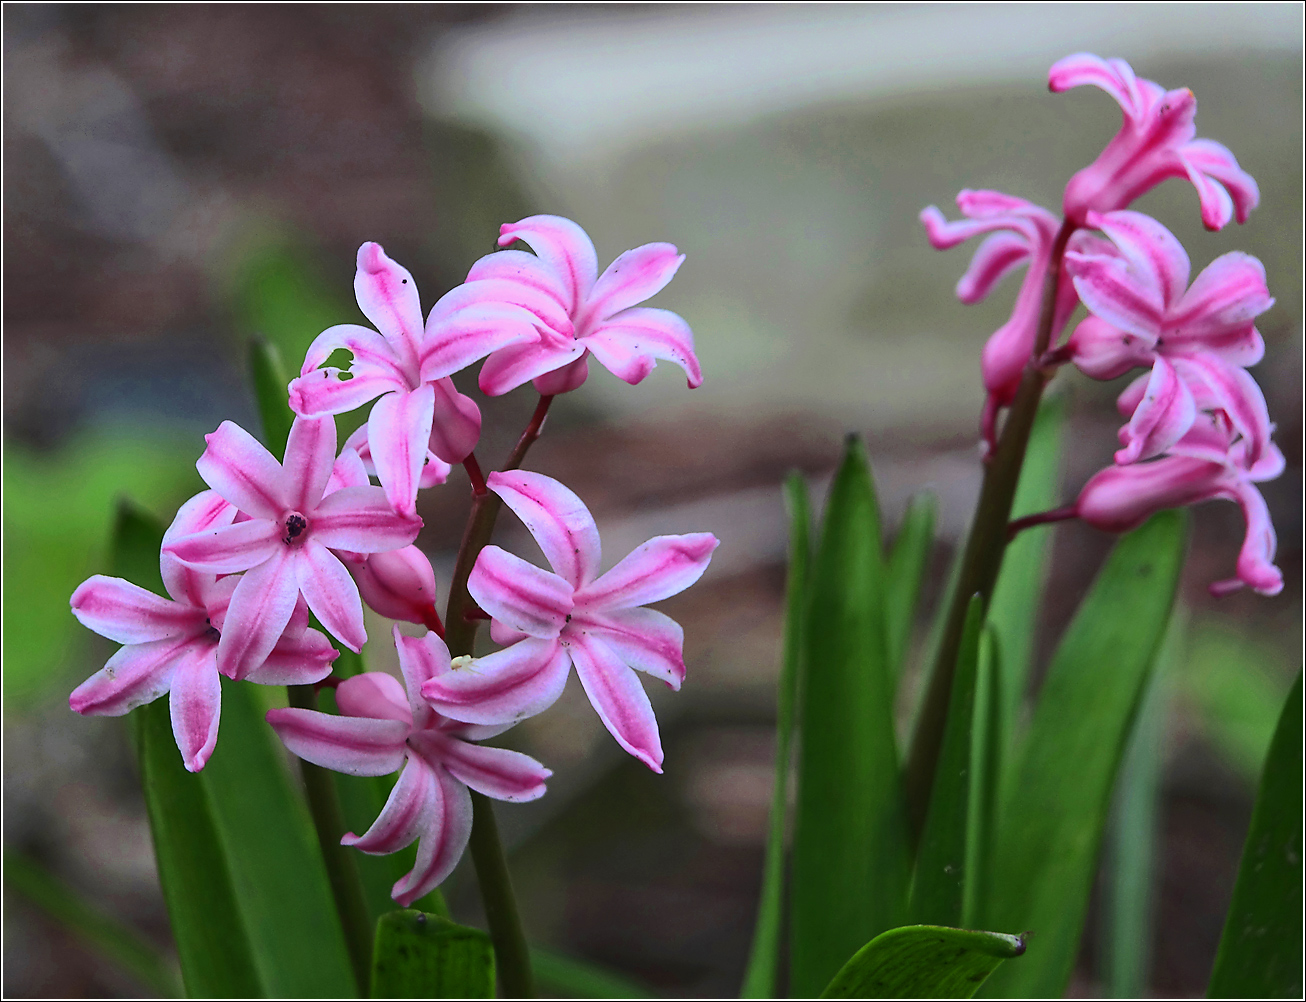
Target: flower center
(296,526)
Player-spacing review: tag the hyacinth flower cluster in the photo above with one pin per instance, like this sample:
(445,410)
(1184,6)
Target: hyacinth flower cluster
(272,541)
(1197,427)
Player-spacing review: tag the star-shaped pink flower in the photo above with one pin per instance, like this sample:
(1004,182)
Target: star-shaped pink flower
(171,645)
(285,543)
(382,728)
(573,616)
(585,313)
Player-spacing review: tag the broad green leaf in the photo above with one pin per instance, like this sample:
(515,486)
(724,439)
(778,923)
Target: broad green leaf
(850,866)
(1014,607)
(760,977)
(421,956)
(985,775)
(116,942)
(905,572)
(1129,856)
(1260,953)
(939,886)
(241,871)
(923,962)
(268,374)
(1054,810)
(567,977)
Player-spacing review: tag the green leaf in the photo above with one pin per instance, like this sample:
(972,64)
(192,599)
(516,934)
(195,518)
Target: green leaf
(1014,608)
(923,962)
(1260,953)
(760,976)
(241,871)
(851,860)
(985,775)
(118,943)
(567,977)
(419,956)
(1055,808)
(268,374)
(939,887)
(905,572)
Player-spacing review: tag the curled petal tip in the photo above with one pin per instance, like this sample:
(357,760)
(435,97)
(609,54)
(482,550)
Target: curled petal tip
(371,257)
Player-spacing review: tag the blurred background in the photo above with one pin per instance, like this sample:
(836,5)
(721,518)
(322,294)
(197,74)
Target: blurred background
(178,178)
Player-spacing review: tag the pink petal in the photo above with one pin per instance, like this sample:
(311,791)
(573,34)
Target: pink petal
(1102,351)
(135,675)
(207,509)
(129,614)
(331,593)
(472,333)
(436,470)
(1121,498)
(627,344)
(1114,76)
(375,369)
(1218,384)
(1218,309)
(643,639)
(387,295)
(1109,290)
(374,357)
(373,694)
(397,433)
(1214,159)
(508,685)
(520,594)
(1217,206)
(1256,558)
(349,469)
(237,466)
(215,598)
(456,427)
(260,608)
(510,367)
(300,660)
(310,454)
(632,278)
(495,772)
(195,703)
(361,519)
(569,377)
(399,584)
(563,247)
(447,833)
(515,278)
(504,635)
(994,259)
(664,566)
(412,808)
(1162,417)
(558,520)
(358,746)
(230,548)
(615,692)
(420,659)
(1157,260)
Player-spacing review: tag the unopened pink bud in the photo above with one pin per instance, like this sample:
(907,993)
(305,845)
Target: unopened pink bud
(398,584)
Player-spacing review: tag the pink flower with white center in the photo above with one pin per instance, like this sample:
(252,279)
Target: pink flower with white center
(401,363)
(573,616)
(382,728)
(285,545)
(171,645)
(584,313)
(1156,141)
(1210,461)
(1144,312)
(1021,233)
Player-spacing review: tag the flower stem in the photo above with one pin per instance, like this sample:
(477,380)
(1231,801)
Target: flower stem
(342,872)
(982,558)
(512,958)
(1019,525)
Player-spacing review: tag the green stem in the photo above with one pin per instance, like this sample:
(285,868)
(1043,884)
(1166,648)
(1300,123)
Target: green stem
(512,958)
(342,870)
(982,558)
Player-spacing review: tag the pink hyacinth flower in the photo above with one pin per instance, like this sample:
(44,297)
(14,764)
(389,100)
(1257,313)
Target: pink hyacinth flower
(586,313)
(1155,142)
(171,645)
(1020,233)
(285,545)
(573,616)
(1197,338)
(382,728)
(401,363)
(1210,461)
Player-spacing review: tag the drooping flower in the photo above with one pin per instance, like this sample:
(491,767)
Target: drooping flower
(1155,142)
(285,545)
(380,729)
(1021,233)
(400,365)
(171,645)
(573,616)
(586,313)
